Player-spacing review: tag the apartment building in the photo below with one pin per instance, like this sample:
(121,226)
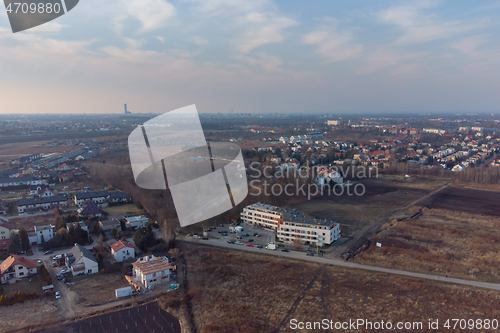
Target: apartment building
(46,232)
(262,216)
(291,224)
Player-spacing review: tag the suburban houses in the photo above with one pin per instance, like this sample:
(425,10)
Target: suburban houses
(110,224)
(43,203)
(44,232)
(136,221)
(86,198)
(6,229)
(122,250)
(16,267)
(80,261)
(151,271)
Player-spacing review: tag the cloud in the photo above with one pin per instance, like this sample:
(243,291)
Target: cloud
(199,40)
(333,45)
(255,23)
(420,28)
(153,14)
(262,29)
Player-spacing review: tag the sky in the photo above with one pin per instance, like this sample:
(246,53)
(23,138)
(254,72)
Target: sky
(256,56)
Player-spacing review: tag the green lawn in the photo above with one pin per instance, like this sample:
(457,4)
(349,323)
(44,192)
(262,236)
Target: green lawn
(125,210)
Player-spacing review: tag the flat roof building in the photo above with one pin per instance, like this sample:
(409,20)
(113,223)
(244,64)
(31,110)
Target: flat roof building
(291,224)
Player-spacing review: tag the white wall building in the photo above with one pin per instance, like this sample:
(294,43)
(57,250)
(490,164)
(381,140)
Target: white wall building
(137,221)
(290,224)
(99,198)
(47,231)
(37,204)
(80,261)
(122,251)
(16,267)
(151,271)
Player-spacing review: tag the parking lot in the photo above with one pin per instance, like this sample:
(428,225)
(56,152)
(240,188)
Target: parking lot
(248,234)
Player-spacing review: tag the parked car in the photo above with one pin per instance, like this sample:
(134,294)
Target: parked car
(255,234)
(59,277)
(204,238)
(65,271)
(250,240)
(259,246)
(239,243)
(196,236)
(310,254)
(285,250)
(221,225)
(48,252)
(230,242)
(250,244)
(54,264)
(58,295)
(59,256)
(244,235)
(39,261)
(69,283)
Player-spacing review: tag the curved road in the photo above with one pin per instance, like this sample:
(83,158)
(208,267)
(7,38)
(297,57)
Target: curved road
(337,262)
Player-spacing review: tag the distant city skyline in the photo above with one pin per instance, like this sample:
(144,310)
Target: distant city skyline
(256,57)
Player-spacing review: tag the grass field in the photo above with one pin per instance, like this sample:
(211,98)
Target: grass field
(241,292)
(125,210)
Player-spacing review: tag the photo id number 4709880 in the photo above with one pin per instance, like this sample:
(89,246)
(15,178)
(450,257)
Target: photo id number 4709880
(25,8)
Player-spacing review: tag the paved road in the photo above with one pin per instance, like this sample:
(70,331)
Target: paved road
(338,262)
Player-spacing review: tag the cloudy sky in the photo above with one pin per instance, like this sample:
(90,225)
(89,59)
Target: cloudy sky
(256,56)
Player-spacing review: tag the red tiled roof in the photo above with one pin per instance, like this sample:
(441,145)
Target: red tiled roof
(17,260)
(117,246)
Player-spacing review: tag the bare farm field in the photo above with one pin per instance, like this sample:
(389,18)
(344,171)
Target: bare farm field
(457,234)
(36,312)
(28,222)
(467,200)
(240,292)
(97,289)
(354,213)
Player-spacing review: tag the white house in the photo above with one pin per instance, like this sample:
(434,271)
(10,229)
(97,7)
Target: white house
(122,251)
(80,261)
(137,221)
(47,231)
(151,271)
(16,267)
